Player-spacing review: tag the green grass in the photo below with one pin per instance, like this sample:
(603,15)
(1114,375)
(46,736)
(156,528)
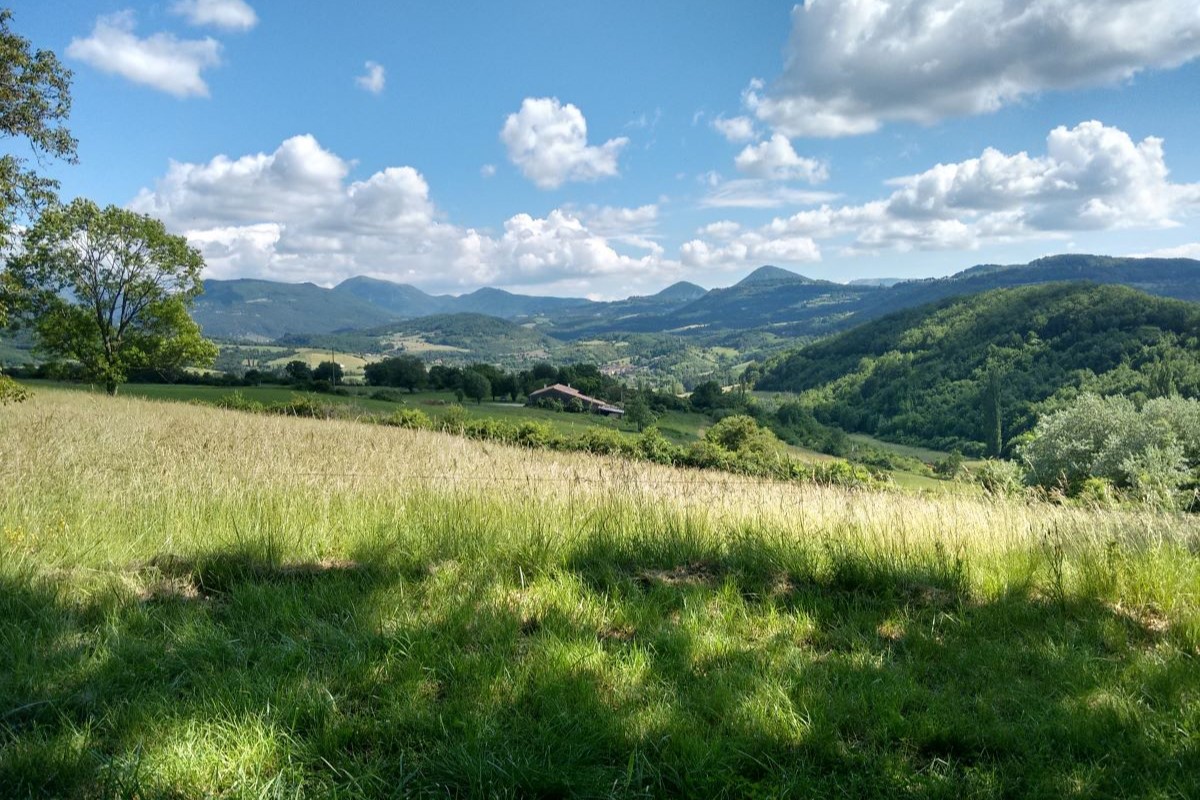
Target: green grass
(680,427)
(204,603)
(920,453)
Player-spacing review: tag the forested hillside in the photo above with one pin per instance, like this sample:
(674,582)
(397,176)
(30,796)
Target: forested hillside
(973,371)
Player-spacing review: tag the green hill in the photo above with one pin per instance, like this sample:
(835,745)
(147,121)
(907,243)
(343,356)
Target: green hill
(398,299)
(940,375)
(254,310)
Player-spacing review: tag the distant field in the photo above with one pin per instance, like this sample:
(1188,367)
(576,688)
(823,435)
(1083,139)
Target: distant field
(921,453)
(416,344)
(680,427)
(196,602)
(352,364)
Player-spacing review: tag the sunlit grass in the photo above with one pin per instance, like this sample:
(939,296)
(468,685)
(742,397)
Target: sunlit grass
(197,602)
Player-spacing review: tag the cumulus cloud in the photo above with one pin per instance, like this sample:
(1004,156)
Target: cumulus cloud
(735,129)
(547,141)
(232,15)
(853,65)
(750,247)
(160,61)
(294,214)
(776,160)
(1092,177)
(373,79)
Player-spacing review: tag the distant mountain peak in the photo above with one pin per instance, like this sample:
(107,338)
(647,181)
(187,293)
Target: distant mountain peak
(682,290)
(770,274)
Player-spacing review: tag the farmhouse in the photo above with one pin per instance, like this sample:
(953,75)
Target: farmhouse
(565,394)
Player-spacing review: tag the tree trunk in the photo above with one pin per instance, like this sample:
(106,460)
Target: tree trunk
(111,388)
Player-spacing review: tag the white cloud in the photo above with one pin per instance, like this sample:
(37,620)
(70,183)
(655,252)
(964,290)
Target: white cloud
(559,246)
(853,65)
(1092,177)
(294,215)
(749,248)
(735,129)
(233,15)
(776,160)
(1190,250)
(160,61)
(487,171)
(374,79)
(548,142)
(635,227)
(725,229)
(758,193)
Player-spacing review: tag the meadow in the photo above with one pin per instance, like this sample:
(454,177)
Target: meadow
(197,602)
(680,427)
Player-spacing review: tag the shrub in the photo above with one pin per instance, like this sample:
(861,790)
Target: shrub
(455,418)
(741,434)
(951,467)
(387,395)
(833,473)
(303,406)
(11,391)
(602,441)
(1097,493)
(1156,473)
(653,446)
(490,429)
(412,418)
(236,401)
(1000,478)
(707,455)
(533,434)
(1147,453)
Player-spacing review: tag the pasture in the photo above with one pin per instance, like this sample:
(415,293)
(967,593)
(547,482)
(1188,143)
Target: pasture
(197,602)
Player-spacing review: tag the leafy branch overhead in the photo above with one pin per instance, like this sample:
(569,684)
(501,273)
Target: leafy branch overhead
(35,101)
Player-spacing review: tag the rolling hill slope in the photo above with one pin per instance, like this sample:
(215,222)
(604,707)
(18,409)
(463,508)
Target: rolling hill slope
(937,375)
(261,311)
(769,299)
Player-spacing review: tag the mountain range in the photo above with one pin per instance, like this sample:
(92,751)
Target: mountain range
(769,298)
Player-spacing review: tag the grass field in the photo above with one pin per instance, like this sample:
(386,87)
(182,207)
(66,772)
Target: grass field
(196,602)
(352,363)
(680,427)
(920,453)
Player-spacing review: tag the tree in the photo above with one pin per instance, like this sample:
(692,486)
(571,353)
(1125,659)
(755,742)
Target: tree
(707,395)
(476,386)
(298,371)
(328,371)
(638,413)
(506,386)
(34,101)
(407,372)
(741,434)
(111,289)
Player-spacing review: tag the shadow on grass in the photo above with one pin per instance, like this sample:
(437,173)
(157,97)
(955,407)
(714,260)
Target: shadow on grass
(644,671)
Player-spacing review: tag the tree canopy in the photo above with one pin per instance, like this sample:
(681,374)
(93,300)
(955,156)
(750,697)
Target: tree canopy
(110,289)
(35,100)
(975,372)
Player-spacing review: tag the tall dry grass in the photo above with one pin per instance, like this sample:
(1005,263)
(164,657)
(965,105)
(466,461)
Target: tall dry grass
(197,602)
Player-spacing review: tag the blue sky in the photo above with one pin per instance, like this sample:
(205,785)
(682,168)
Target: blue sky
(608,149)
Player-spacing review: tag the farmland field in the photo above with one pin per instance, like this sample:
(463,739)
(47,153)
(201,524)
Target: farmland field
(197,602)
